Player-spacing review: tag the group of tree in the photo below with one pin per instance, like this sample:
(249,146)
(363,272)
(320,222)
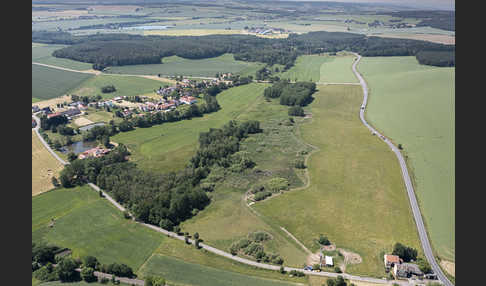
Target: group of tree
(292,94)
(162,199)
(252,246)
(108,89)
(296,111)
(86,99)
(53,122)
(404,252)
(103,50)
(43,258)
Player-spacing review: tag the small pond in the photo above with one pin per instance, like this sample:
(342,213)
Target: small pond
(79,147)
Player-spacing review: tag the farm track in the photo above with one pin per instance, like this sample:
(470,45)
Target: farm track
(215,250)
(408,183)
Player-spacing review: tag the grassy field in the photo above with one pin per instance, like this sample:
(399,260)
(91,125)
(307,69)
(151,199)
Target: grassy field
(179,250)
(44,167)
(49,83)
(79,283)
(42,54)
(414,105)
(184,273)
(356,196)
(90,225)
(321,69)
(169,146)
(125,86)
(179,66)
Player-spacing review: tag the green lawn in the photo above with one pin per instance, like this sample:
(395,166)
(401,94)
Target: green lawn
(414,105)
(42,54)
(90,225)
(322,68)
(169,146)
(49,82)
(356,196)
(179,66)
(180,272)
(125,86)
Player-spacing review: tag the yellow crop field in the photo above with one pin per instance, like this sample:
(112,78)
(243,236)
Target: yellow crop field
(44,167)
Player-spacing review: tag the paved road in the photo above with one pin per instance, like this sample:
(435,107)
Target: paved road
(36,130)
(408,183)
(226,254)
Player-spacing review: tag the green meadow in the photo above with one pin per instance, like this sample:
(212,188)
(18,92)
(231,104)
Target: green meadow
(356,195)
(414,105)
(42,53)
(49,83)
(321,68)
(90,225)
(125,86)
(184,273)
(179,66)
(169,146)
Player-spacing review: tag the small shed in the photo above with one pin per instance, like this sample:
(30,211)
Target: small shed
(328,260)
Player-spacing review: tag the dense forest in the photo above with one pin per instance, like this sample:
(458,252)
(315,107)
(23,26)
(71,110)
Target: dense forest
(164,199)
(292,94)
(105,50)
(439,58)
(445,20)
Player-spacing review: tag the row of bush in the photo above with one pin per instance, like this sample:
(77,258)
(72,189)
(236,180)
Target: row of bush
(252,246)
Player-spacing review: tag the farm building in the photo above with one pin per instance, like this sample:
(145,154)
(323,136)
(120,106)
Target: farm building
(71,112)
(51,115)
(390,260)
(35,108)
(407,270)
(328,261)
(94,152)
(188,99)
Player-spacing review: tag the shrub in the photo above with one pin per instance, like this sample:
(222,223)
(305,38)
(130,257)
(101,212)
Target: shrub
(323,240)
(166,224)
(296,111)
(296,273)
(299,164)
(282,270)
(108,89)
(46,273)
(104,280)
(253,249)
(90,261)
(257,188)
(259,236)
(277,184)
(424,265)
(337,269)
(262,195)
(154,281)
(66,269)
(87,273)
(126,214)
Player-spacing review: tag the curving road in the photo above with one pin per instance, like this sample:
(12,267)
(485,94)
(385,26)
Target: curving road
(416,212)
(408,183)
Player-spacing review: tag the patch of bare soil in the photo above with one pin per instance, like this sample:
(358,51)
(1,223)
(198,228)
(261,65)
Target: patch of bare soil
(349,258)
(449,267)
(81,121)
(52,102)
(313,258)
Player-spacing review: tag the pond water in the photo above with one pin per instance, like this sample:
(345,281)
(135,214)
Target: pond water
(79,147)
(147,28)
(88,127)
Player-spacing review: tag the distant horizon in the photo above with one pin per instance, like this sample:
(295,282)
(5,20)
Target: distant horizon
(448,5)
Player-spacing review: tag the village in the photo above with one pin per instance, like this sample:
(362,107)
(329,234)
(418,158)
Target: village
(184,93)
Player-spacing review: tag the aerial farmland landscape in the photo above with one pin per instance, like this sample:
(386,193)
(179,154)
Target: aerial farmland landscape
(243,142)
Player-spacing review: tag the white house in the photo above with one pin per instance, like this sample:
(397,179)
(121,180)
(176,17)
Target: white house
(328,260)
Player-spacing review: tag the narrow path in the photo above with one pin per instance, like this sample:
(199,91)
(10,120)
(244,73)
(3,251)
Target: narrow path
(408,183)
(296,240)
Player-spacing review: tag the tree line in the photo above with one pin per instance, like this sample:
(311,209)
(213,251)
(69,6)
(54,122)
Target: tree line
(103,50)
(162,199)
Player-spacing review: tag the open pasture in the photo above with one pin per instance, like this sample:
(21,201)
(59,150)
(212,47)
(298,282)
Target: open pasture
(413,105)
(90,225)
(43,54)
(125,86)
(44,167)
(179,66)
(169,146)
(321,68)
(356,195)
(178,271)
(49,83)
